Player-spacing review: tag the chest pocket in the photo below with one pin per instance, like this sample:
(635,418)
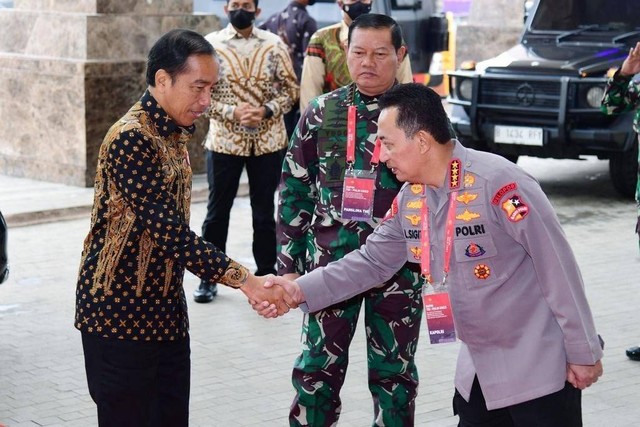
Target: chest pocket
(475,257)
(332,157)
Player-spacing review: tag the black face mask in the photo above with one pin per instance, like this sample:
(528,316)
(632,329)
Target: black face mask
(356,9)
(241,19)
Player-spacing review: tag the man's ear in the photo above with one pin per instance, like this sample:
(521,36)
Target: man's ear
(424,141)
(163,79)
(258,10)
(401,53)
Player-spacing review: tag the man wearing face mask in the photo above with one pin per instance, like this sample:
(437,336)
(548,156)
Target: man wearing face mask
(257,86)
(325,65)
(295,27)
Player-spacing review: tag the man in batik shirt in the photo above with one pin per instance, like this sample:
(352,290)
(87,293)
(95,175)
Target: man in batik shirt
(257,87)
(313,230)
(622,95)
(130,302)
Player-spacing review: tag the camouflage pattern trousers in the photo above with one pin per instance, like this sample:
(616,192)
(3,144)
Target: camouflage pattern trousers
(392,320)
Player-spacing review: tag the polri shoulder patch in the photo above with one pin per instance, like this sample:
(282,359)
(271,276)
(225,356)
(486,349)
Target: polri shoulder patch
(515,208)
(512,186)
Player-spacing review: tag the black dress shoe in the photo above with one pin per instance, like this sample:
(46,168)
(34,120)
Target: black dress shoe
(633,353)
(205,292)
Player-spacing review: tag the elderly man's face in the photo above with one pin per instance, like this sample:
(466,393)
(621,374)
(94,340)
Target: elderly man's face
(372,60)
(188,95)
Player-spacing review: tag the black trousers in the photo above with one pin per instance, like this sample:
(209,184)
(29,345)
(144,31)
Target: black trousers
(223,173)
(138,383)
(560,409)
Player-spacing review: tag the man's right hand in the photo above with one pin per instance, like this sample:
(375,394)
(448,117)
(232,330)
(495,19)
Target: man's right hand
(292,289)
(631,65)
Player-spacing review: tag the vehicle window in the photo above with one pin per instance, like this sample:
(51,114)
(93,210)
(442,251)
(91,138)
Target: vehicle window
(563,15)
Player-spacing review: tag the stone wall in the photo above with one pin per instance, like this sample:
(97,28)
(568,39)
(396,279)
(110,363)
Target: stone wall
(68,70)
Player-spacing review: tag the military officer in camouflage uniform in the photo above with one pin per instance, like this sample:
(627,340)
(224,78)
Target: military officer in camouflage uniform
(623,94)
(312,231)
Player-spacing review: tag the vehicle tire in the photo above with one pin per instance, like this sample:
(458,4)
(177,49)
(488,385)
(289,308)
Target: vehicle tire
(623,170)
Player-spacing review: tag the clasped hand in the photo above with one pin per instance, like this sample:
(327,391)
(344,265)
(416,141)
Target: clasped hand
(277,296)
(248,115)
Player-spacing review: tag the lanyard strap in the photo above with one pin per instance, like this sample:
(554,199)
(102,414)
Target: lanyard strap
(351,141)
(351,135)
(425,254)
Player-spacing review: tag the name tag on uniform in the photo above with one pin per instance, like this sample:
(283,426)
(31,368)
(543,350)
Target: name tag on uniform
(437,309)
(357,195)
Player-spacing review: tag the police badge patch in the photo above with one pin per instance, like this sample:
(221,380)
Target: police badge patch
(515,208)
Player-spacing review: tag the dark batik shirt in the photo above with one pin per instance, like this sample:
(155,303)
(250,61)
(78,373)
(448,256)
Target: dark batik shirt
(139,243)
(295,27)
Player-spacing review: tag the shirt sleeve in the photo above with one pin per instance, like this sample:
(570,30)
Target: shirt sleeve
(313,73)
(382,255)
(288,90)
(135,169)
(308,29)
(621,95)
(557,272)
(297,197)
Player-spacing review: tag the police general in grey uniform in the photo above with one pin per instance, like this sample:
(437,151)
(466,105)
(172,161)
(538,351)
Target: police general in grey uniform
(528,340)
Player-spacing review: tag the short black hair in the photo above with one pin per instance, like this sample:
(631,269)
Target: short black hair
(255,2)
(419,108)
(378,22)
(171,51)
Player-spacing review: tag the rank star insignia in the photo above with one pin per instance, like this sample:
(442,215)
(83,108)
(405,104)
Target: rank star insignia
(415,219)
(467,216)
(466,197)
(515,208)
(454,174)
(482,271)
(414,204)
(416,251)
(416,188)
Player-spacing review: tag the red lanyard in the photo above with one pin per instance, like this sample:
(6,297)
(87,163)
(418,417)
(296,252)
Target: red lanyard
(425,255)
(351,141)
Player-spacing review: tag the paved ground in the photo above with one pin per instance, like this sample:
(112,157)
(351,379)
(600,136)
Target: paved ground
(241,363)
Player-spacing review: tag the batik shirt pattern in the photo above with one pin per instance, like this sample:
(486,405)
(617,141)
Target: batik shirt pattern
(257,71)
(139,243)
(295,26)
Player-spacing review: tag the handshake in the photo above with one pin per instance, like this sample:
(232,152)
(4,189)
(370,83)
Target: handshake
(272,296)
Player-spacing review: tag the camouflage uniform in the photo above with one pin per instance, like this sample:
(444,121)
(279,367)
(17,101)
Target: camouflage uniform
(623,94)
(311,233)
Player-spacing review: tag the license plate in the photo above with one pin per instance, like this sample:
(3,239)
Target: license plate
(518,135)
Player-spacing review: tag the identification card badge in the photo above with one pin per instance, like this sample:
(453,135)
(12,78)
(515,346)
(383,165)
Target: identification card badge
(357,195)
(437,309)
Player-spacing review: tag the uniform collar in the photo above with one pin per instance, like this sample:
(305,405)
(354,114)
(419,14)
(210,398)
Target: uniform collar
(163,123)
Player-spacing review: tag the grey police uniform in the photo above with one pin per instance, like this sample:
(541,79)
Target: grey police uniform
(516,291)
